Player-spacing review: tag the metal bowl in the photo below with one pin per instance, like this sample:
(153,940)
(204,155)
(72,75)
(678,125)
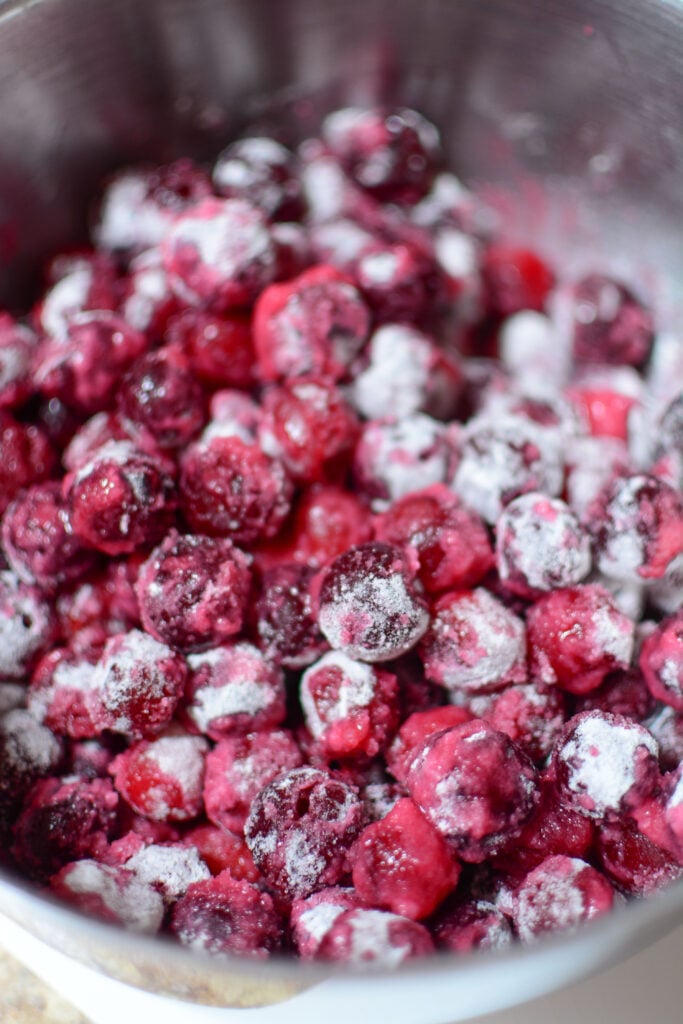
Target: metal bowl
(567,118)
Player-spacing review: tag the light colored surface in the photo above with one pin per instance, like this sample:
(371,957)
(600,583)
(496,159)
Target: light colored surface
(647,988)
(24,999)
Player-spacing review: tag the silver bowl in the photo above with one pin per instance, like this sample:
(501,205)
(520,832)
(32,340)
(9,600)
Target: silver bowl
(565,116)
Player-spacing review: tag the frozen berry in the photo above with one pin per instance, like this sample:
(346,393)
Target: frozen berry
(561,893)
(370,606)
(139,206)
(231,489)
(406,373)
(299,830)
(26,457)
(84,367)
(222,850)
(264,172)
(450,541)
(193,591)
(622,692)
(403,864)
(605,765)
(540,546)
(140,682)
(315,324)
(661,661)
(312,916)
(400,283)
(148,303)
(417,728)
(64,693)
(362,938)
(610,324)
(532,716)
(239,767)
(350,708)
(394,457)
(234,689)
(121,500)
(553,828)
(637,528)
(309,425)
(159,395)
(81,284)
(633,862)
(162,779)
(327,521)
(219,348)
(26,626)
(502,458)
(219,254)
(227,916)
(17,348)
(29,751)
(38,539)
(514,279)
(391,153)
(474,643)
(576,636)
(110,893)
(477,924)
(476,787)
(64,820)
(285,620)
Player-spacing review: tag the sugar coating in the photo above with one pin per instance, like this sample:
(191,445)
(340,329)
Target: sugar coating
(368,607)
(540,544)
(592,462)
(556,896)
(395,382)
(170,868)
(25,625)
(66,298)
(532,349)
(181,758)
(503,458)
(234,687)
(28,746)
(397,456)
(130,900)
(128,218)
(601,757)
(356,690)
(474,643)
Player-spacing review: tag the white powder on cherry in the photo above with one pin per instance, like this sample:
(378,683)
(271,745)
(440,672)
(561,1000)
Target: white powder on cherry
(316,922)
(180,758)
(395,381)
(625,550)
(238,697)
(601,761)
(27,745)
(132,901)
(403,455)
(478,642)
(67,297)
(171,868)
(494,466)
(227,240)
(356,690)
(303,863)
(128,218)
(547,550)
(24,625)
(555,904)
(612,634)
(372,941)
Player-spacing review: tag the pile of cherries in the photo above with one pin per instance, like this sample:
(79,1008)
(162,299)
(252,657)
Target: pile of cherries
(342,564)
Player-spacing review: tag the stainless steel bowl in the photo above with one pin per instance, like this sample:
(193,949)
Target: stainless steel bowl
(567,117)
